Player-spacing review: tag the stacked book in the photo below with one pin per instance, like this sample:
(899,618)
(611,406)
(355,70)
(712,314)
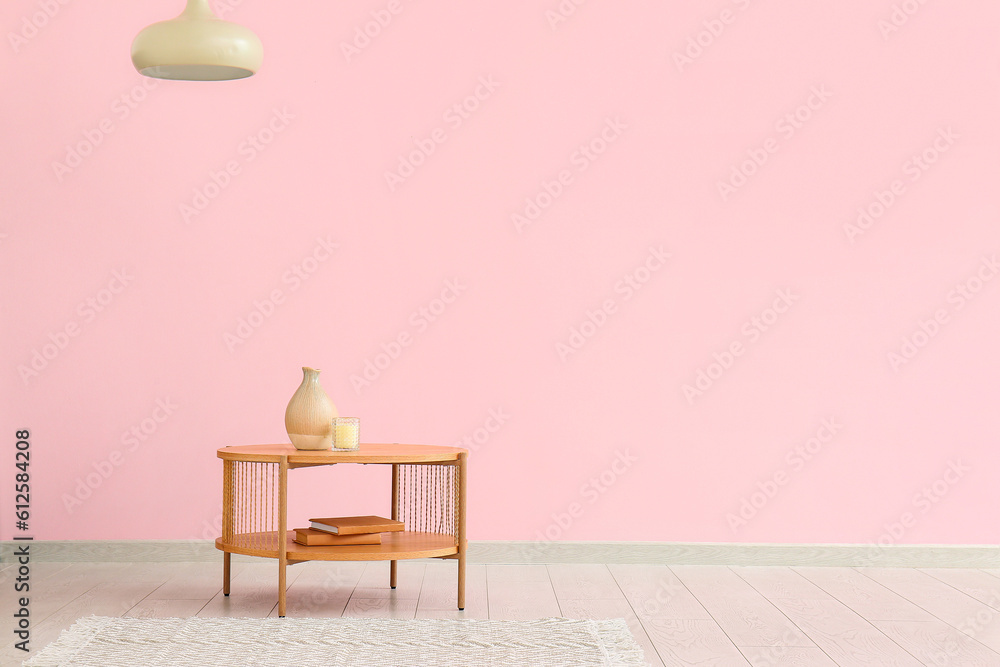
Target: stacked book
(343,530)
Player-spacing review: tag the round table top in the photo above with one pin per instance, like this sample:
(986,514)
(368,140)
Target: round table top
(366,453)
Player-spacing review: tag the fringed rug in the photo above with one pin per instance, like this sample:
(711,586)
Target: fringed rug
(100,641)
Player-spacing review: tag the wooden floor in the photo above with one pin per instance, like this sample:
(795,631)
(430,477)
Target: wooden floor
(681,615)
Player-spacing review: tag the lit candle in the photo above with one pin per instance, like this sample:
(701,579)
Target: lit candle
(345,432)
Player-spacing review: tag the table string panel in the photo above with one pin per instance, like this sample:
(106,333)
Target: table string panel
(250,504)
(427,497)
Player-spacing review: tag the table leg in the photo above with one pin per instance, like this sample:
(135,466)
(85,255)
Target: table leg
(282,565)
(462,543)
(282,532)
(395,517)
(461,580)
(228,473)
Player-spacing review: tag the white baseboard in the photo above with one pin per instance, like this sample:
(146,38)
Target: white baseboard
(509,552)
(675,553)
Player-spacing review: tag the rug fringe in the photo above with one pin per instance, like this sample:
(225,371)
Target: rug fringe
(617,642)
(70,642)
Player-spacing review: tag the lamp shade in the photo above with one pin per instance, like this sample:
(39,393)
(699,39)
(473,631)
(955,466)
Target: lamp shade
(197,46)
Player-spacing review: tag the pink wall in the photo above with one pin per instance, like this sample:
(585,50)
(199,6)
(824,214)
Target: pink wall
(564,339)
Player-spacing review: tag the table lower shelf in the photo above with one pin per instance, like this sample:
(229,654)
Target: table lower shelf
(400,545)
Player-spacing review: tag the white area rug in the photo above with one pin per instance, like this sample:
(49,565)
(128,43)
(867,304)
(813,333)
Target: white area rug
(101,641)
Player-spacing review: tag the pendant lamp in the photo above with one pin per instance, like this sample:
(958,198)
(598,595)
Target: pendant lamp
(197,46)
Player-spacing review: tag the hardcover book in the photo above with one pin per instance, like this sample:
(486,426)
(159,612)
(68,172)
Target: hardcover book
(321,538)
(354,525)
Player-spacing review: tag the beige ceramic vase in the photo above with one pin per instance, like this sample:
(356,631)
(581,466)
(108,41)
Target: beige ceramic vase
(309,415)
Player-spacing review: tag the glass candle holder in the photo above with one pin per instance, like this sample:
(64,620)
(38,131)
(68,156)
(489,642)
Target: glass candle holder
(345,433)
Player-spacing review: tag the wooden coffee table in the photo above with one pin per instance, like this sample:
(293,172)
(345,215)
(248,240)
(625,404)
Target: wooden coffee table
(428,496)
